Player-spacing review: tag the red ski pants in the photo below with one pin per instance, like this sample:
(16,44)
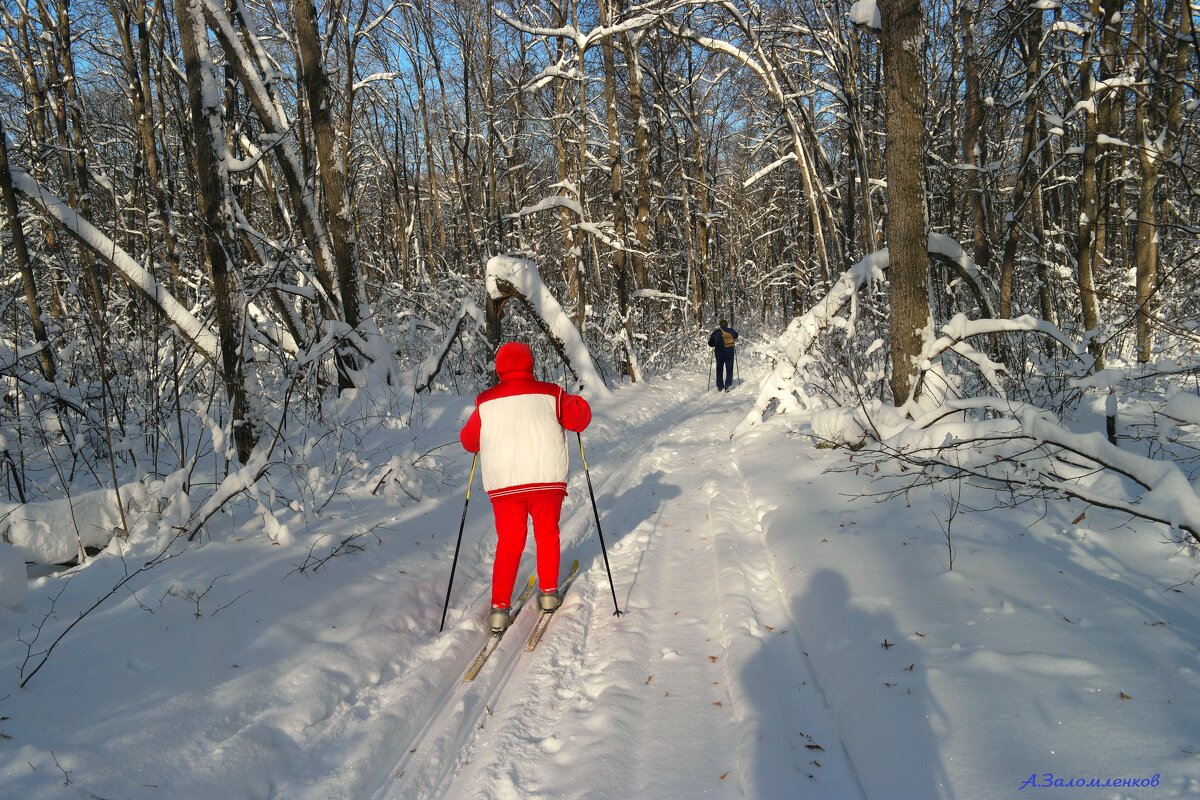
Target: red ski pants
(512,530)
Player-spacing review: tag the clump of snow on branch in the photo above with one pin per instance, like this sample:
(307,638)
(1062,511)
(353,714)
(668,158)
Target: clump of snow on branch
(866,12)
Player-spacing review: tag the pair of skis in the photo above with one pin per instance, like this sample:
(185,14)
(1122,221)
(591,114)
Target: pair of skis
(539,627)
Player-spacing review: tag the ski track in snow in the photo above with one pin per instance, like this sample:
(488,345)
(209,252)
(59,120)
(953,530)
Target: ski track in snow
(699,676)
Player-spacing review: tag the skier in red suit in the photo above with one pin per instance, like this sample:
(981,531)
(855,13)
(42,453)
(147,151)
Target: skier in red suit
(517,428)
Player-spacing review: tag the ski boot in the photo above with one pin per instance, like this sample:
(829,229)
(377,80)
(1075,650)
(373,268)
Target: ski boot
(499,620)
(548,602)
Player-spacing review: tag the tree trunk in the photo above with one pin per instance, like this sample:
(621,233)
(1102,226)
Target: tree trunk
(579,284)
(214,197)
(904,103)
(700,211)
(137,67)
(1088,253)
(24,264)
(60,71)
(248,62)
(641,150)
(332,168)
(1158,117)
(608,10)
(974,145)
(570,237)
(1029,37)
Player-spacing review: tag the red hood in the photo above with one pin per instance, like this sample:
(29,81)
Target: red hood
(514,360)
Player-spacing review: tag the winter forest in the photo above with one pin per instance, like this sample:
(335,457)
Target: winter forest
(257,258)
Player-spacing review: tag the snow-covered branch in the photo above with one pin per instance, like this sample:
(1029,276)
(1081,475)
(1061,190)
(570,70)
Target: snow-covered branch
(1022,447)
(788,350)
(513,276)
(779,390)
(139,278)
(583,41)
(547,203)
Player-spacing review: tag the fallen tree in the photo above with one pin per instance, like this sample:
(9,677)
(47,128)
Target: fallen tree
(512,277)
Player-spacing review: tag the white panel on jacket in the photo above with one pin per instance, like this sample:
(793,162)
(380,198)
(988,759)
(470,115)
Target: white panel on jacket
(521,441)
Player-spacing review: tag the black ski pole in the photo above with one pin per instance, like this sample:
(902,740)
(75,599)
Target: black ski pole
(710,369)
(462,523)
(599,532)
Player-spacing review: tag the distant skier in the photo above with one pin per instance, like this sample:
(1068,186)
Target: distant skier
(722,340)
(517,429)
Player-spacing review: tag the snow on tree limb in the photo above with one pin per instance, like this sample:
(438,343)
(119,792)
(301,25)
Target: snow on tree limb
(1063,461)
(790,349)
(195,331)
(582,40)
(547,203)
(599,230)
(513,276)
(767,170)
(960,327)
(655,294)
(949,252)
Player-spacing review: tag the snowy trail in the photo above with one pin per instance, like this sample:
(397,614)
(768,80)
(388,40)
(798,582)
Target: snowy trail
(703,682)
(426,718)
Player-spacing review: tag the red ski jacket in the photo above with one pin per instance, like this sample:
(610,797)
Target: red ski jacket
(518,425)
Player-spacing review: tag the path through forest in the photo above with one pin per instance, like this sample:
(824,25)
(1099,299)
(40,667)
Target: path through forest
(702,688)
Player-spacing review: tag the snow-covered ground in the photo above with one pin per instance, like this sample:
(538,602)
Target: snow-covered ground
(786,635)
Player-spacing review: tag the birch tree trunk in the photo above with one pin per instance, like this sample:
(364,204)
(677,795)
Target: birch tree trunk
(1099,104)
(1158,118)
